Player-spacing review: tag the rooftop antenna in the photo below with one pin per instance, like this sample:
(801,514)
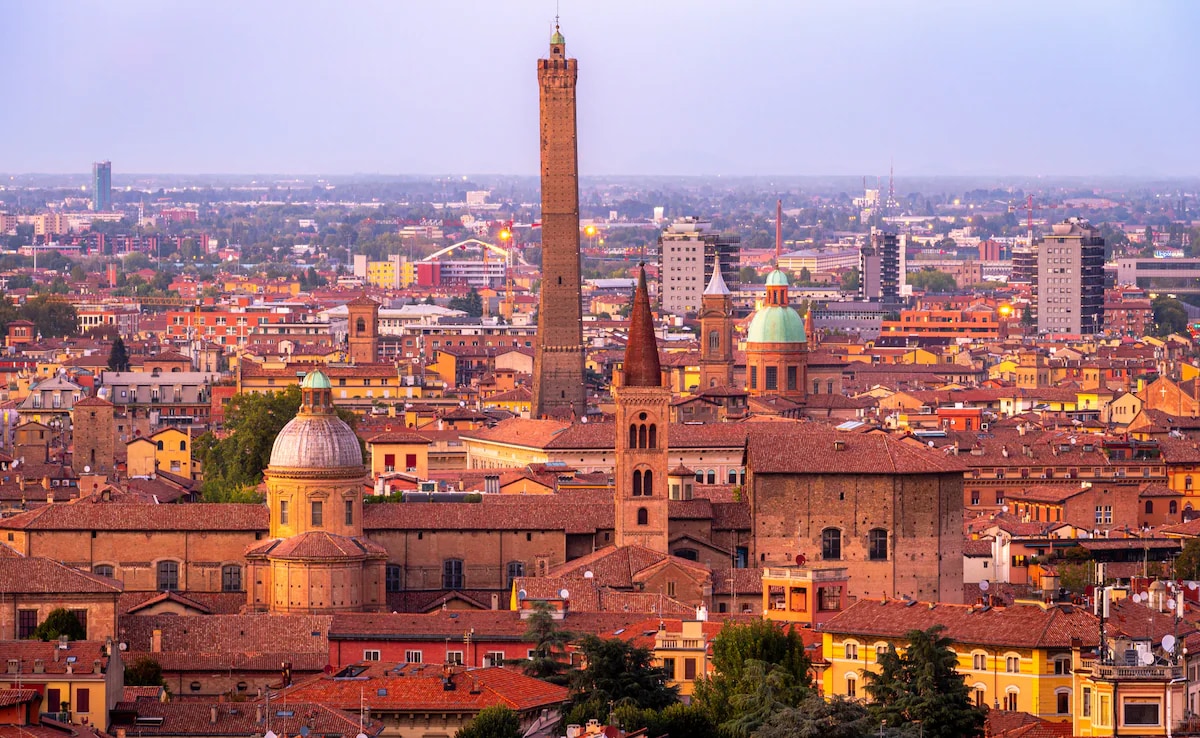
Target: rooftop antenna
(778,229)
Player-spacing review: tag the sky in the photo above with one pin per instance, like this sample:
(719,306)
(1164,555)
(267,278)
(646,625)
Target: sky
(666,87)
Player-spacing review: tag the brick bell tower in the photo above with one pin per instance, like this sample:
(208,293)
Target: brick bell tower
(363,330)
(643,411)
(558,386)
(716,332)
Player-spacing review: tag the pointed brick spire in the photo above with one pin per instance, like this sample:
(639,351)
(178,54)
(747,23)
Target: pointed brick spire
(641,351)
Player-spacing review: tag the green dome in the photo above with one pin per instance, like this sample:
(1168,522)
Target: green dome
(777,278)
(557,38)
(316,380)
(776,324)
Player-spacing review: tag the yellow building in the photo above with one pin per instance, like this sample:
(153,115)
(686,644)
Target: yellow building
(806,596)
(173,452)
(80,683)
(399,451)
(679,647)
(517,401)
(1015,658)
(359,386)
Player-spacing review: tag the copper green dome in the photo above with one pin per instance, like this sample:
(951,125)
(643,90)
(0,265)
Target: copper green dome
(776,324)
(777,278)
(316,380)
(557,38)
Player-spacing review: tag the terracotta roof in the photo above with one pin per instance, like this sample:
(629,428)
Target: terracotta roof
(229,634)
(622,566)
(641,366)
(117,516)
(208,603)
(10,697)
(1016,626)
(93,402)
(811,448)
(1139,621)
(319,544)
(419,688)
(53,658)
(495,512)
(36,575)
(398,436)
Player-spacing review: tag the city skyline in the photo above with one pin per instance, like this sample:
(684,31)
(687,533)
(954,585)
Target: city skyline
(672,89)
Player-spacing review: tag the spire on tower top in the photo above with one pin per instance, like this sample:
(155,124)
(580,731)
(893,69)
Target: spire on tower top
(641,350)
(716,285)
(778,229)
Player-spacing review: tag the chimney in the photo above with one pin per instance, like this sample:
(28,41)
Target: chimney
(97,666)
(156,641)
(46,483)
(212,714)
(39,665)
(49,498)
(258,714)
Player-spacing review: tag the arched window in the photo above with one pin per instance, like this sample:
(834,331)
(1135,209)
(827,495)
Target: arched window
(515,569)
(690,554)
(1010,699)
(816,386)
(1149,507)
(452,574)
(632,436)
(231,578)
(712,476)
(642,436)
(103,570)
(732,476)
(877,545)
(851,685)
(653,436)
(637,482)
(648,483)
(1062,701)
(168,576)
(1187,482)
(714,341)
(1172,507)
(183,445)
(160,445)
(980,695)
(699,476)
(360,326)
(831,544)
(643,517)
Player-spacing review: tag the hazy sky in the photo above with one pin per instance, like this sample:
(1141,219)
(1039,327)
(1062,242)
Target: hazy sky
(665,86)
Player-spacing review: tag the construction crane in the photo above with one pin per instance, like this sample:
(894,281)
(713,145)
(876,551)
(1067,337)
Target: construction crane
(1030,207)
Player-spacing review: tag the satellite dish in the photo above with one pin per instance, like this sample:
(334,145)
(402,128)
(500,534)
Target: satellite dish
(1004,508)
(521,594)
(87,469)
(1146,658)
(588,575)
(304,731)
(1192,586)
(1168,642)
(1171,604)
(985,585)
(563,593)
(1145,596)
(123,646)
(361,735)
(271,734)
(583,419)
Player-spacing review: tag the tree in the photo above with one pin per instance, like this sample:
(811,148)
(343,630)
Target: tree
(52,318)
(144,672)
(549,646)
(679,719)
(765,691)
(851,280)
(816,718)
(497,721)
(750,275)
(471,304)
(60,622)
(1187,565)
(737,646)
(923,685)
(8,312)
(118,356)
(618,673)
(233,465)
(1169,316)
(932,280)
(1027,316)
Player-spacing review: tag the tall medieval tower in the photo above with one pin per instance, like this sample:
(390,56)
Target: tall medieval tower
(643,412)
(363,332)
(558,387)
(716,332)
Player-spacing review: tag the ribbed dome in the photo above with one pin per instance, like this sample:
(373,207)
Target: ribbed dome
(316,442)
(776,325)
(777,278)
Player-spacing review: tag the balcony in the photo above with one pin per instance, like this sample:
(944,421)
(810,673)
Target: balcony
(806,574)
(1135,673)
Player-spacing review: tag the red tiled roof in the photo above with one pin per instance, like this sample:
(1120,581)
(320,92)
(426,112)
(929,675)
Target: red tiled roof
(10,697)
(811,448)
(319,544)
(419,688)
(46,576)
(495,512)
(116,516)
(1016,626)
(238,719)
(53,658)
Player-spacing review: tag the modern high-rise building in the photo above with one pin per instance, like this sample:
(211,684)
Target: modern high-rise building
(881,268)
(558,377)
(102,186)
(1070,279)
(687,250)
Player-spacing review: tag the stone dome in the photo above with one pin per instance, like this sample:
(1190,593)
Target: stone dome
(316,442)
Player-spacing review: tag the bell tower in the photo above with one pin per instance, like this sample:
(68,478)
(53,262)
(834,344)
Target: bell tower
(363,332)
(716,332)
(643,411)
